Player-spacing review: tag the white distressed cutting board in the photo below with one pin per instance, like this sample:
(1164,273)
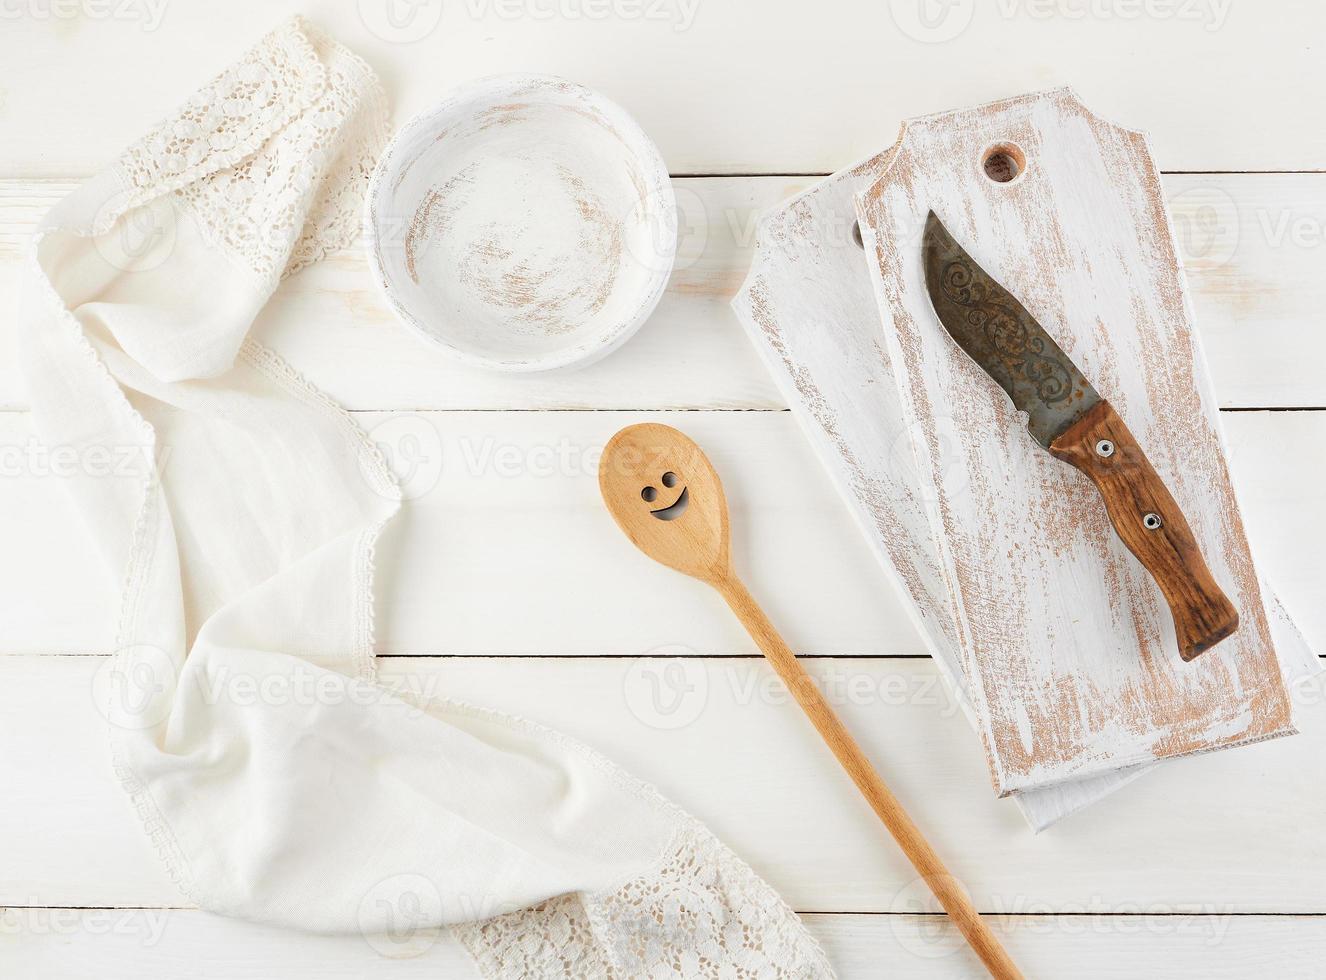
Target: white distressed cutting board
(1066,641)
(809,307)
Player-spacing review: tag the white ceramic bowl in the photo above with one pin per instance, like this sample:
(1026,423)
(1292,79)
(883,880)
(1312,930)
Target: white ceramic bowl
(525,224)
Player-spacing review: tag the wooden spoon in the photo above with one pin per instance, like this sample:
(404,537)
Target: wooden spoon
(665,495)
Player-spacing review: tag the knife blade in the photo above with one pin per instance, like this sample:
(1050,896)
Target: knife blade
(1069,418)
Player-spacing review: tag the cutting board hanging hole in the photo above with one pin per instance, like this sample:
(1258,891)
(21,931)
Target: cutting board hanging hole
(856,235)
(1004,162)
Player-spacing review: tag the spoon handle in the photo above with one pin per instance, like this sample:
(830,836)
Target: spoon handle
(918,850)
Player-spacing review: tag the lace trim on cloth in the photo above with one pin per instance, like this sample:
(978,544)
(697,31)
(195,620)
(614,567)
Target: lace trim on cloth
(354,96)
(272,158)
(231,117)
(701,913)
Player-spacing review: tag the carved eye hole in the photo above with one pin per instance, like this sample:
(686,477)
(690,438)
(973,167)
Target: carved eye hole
(669,480)
(648,494)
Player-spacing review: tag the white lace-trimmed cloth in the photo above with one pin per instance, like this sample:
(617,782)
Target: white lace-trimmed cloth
(244,543)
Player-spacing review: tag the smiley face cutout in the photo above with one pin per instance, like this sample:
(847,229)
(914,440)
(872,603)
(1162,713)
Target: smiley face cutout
(663,493)
(667,512)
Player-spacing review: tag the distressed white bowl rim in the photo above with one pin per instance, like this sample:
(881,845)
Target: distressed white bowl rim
(652,167)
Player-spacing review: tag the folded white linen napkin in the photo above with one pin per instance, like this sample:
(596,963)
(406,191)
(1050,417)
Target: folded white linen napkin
(278,780)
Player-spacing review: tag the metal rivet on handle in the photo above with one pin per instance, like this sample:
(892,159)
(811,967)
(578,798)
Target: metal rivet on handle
(1152,522)
(1104,448)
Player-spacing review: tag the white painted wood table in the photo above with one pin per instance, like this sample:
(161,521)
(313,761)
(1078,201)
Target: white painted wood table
(505,582)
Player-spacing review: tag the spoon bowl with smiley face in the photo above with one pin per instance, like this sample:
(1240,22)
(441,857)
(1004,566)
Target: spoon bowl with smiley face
(667,498)
(665,495)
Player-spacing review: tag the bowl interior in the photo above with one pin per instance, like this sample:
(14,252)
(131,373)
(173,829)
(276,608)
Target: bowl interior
(524,224)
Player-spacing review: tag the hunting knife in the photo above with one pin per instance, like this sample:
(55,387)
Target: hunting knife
(1073,422)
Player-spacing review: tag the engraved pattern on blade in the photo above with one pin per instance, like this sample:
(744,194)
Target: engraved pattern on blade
(988,322)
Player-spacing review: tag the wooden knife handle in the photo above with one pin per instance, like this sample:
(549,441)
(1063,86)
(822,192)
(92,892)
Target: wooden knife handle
(1150,523)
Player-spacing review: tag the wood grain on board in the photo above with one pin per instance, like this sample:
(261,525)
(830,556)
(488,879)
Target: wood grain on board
(722,739)
(78,944)
(527,480)
(809,307)
(739,86)
(1065,637)
(1253,246)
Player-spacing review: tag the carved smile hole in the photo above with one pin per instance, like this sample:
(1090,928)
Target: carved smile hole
(673,510)
(677,509)
(1004,162)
